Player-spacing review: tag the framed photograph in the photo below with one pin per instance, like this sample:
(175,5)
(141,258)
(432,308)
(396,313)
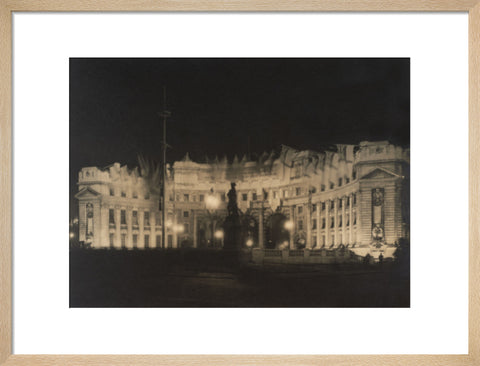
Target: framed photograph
(239,183)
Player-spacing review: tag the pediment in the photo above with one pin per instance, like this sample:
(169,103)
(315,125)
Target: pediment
(381,173)
(87,192)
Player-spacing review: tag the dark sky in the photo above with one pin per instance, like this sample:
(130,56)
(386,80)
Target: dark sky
(222,106)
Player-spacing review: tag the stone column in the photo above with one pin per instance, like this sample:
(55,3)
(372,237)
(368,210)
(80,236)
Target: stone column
(335,217)
(117,241)
(327,223)
(195,229)
(309,243)
(319,225)
(141,222)
(350,215)
(344,222)
(260,228)
(129,243)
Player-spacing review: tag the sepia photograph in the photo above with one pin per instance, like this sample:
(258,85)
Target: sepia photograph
(239,182)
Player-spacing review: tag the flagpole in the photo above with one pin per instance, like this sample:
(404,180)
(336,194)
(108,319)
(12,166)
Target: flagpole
(163,194)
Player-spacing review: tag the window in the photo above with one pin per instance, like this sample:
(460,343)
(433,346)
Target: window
(313,190)
(244,196)
(186,227)
(285,193)
(124,194)
(123,217)
(300,209)
(298,191)
(347,180)
(340,221)
(340,203)
(314,207)
(322,188)
(275,194)
(347,220)
(332,205)
(135,240)
(170,197)
(146,240)
(340,238)
(158,219)
(202,198)
(254,196)
(323,223)
(332,222)
(146,218)
(147,196)
(354,218)
(333,240)
(332,185)
(112,192)
(300,224)
(134,218)
(323,206)
(298,169)
(186,197)
(314,226)
(354,199)
(111,216)
(340,181)
(111,239)
(124,240)
(158,241)
(185,213)
(314,240)
(177,198)
(135,195)
(323,240)
(354,175)
(348,201)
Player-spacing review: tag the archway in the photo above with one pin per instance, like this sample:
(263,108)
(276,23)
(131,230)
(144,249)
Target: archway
(277,236)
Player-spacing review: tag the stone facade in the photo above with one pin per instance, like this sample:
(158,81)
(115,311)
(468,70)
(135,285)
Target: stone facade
(349,195)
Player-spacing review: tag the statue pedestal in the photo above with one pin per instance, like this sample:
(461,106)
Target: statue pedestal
(233,233)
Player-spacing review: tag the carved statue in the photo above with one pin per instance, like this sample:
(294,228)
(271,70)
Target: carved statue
(232,201)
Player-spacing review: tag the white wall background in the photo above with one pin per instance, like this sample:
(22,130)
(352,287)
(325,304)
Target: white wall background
(437,319)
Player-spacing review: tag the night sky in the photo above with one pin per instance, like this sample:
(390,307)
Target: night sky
(231,106)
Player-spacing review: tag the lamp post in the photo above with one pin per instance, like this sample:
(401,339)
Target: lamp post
(289,225)
(212,202)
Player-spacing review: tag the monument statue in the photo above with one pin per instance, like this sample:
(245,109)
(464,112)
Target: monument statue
(232,224)
(232,201)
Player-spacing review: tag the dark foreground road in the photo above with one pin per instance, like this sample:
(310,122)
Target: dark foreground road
(129,279)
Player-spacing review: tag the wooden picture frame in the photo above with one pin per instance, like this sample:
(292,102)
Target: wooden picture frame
(7,7)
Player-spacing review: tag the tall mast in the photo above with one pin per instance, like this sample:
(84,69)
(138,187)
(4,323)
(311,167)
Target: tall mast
(164,114)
